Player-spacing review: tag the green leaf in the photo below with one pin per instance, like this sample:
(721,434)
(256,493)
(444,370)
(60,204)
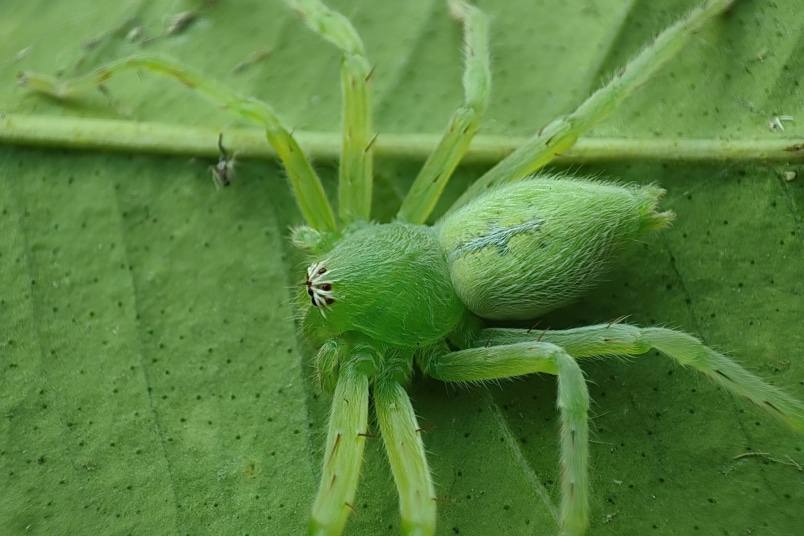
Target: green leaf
(152,382)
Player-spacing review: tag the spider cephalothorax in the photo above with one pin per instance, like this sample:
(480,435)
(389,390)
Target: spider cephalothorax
(389,282)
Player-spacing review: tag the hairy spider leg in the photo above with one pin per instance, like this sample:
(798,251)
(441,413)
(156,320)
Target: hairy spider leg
(355,172)
(306,185)
(346,437)
(562,133)
(405,449)
(362,367)
(464,123)
(504,361)
(625,339)
(497,353)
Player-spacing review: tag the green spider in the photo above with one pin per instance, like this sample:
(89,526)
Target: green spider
(514,246)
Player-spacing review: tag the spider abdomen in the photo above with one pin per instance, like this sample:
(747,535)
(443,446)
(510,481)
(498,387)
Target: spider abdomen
(523,249)
(390,282)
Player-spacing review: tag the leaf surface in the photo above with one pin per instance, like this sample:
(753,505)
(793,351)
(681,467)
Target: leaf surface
(152,381)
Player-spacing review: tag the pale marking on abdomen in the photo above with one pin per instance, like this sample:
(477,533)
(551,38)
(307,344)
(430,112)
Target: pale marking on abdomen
(497,237)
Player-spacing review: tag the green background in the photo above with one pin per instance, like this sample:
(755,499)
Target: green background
(152,381)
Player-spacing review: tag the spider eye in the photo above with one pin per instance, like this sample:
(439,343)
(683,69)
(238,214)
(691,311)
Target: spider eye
(318,290)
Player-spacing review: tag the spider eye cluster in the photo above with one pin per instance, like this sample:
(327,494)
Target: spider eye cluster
(319,287)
